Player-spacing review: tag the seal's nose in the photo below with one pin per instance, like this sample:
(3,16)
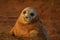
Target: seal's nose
(26,17)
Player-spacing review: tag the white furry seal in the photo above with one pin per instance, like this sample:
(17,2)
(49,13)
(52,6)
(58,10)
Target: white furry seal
(29,27)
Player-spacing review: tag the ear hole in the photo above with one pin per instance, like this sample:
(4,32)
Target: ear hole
(13,34)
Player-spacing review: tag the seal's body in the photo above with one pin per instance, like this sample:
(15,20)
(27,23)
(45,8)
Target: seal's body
(29,27)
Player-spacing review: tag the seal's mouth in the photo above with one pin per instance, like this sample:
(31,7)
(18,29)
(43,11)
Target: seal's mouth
(28,20)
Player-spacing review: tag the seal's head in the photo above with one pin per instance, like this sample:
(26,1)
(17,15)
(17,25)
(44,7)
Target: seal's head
(28,15)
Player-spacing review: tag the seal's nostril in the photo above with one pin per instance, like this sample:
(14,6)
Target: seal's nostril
(26,17)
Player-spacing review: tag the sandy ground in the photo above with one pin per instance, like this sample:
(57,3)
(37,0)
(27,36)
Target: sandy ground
(48,10)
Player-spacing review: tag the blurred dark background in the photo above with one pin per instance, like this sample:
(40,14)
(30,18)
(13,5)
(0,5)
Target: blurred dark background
(48,10)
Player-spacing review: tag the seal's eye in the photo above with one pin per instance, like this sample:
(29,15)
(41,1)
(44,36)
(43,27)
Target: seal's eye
(32,14)
(24,12)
